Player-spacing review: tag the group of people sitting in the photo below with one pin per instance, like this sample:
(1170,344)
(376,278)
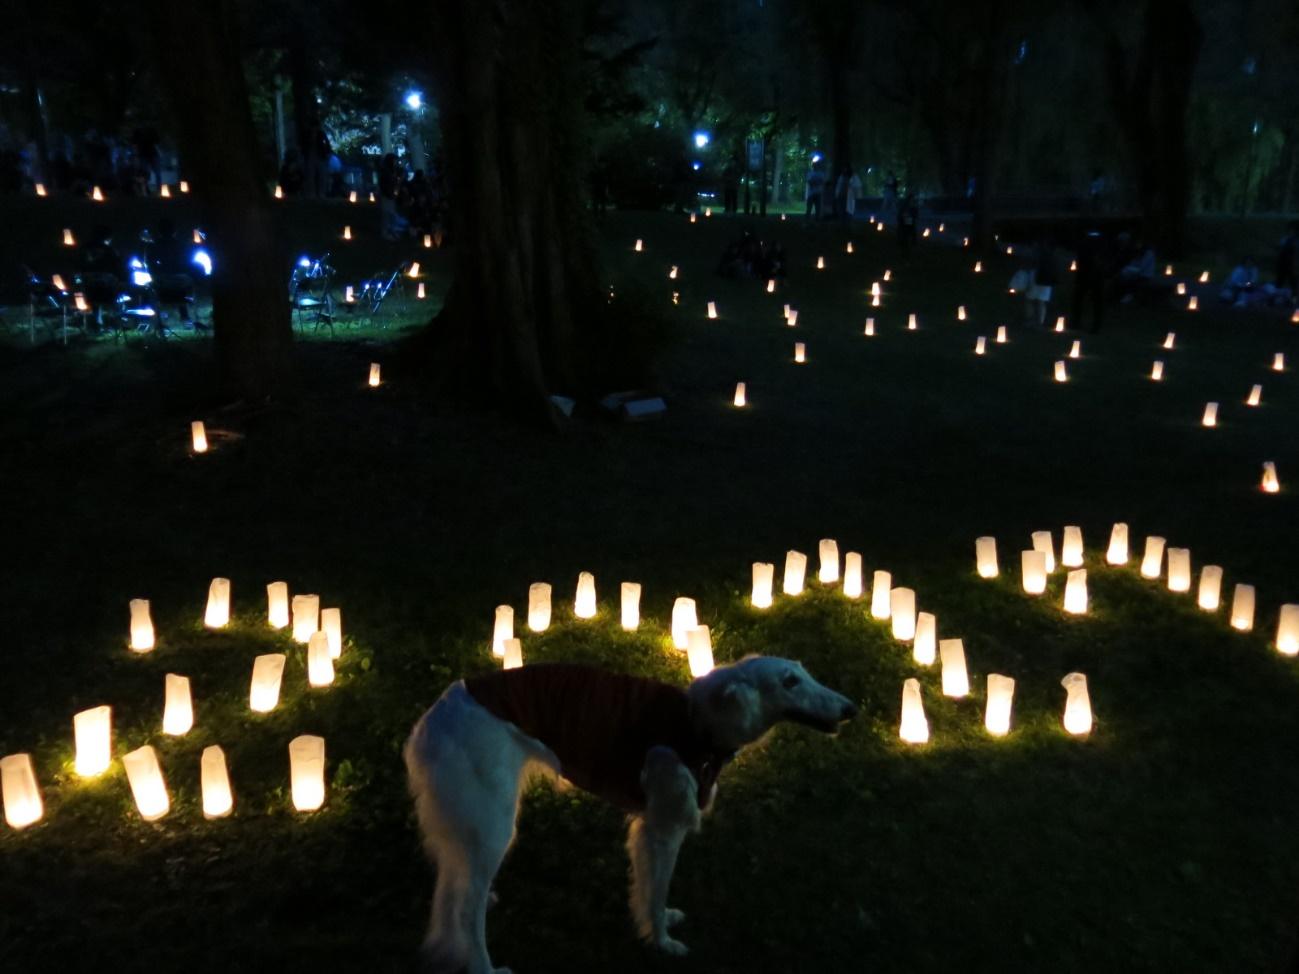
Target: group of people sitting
(750,256)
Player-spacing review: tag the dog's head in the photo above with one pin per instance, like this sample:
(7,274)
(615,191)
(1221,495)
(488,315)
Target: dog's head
(738,703)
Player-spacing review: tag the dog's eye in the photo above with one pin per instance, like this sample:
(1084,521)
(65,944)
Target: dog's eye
(790,681)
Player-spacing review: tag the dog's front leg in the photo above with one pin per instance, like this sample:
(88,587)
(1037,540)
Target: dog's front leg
(653,842)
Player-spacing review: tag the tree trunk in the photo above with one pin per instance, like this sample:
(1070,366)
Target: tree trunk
(525,296)
(200,63)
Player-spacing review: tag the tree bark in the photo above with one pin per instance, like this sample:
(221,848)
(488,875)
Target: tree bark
(525,295)
(201,68)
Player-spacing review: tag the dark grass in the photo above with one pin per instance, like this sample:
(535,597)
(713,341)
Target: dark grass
(1163,842)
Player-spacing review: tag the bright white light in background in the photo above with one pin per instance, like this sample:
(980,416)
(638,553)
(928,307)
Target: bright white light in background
(816,157)
(414,100)
(696,165)
(204,260)
(702,139)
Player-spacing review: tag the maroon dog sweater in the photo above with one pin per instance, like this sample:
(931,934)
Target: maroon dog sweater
(601,725)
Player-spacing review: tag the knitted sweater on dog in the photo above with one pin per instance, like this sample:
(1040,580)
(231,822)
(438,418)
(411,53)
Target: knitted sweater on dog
(601,725)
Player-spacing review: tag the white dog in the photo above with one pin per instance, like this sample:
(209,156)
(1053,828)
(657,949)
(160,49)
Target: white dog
(651,748)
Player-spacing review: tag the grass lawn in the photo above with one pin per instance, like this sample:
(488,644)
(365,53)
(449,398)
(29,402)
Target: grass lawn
(1164,841)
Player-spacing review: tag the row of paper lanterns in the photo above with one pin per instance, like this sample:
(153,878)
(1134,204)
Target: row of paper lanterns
(97,194)
(321,631)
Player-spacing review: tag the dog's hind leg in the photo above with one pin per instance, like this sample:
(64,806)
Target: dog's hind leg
(653,842)
(465,768)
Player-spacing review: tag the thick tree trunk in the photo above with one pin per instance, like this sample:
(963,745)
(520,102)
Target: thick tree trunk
(200,60)
(516,323)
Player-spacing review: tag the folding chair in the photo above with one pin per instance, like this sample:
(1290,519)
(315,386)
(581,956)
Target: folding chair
(309,291)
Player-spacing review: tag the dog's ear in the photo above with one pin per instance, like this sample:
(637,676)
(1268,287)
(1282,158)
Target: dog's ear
(726,696)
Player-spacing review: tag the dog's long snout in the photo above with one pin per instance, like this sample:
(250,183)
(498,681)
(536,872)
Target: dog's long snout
(849,710)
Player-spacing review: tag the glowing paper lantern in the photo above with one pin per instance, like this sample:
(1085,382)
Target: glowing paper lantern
(1179,569)
(502,629)
(712,309)
(1157,371)
(215,780)
(708,212)
(347,233)
(848,248)
(331,624)
(740,394)
(1153,559)
(68,239)
(1210,414)
(40,189)
(1071,548)
(320,662)
(763,574)
(1278,362)
(996,715)
(307,772)
(800,352)
(820,263)
(1077,704)
(1242,608)
(165,191)
(1001,335)
(828,550)
(902,611)
(1255,396)
(584,602)
(97,194)
(980,345)
(59,285)
(277,604)
(419,291)
(184,186)
(1042,542)
(956,682)
(683,620)
(375,375)
(79,300)
(178,709)
(914,728)
(539,606)
(1181,288)
(1287,634)
(875,301)
(881,601)
(852,577)
(1271,483)
(639,245)
(1075,592)
(925,644)
(197,236)
(1117,552)
(1204,277)
(349,294)
(870,328)
(795,572)
(771,286)
(93,730)
(985,556)
(1170,340)
(978,267)
(413,271)
(147,784)
(1059,324)
(371,197)
(785,312)
(1032,567)
(264,693)
(1075,350)
(792,318)
(699,651)
(960,312)
(279,191)
(217,614)
(875,289)
(22,796)
(911,322)
(925,233)
(692,218)
(1210,595)
(1073,265)
(888,275)
(1193,304)
(351,196)
(513,654)
(630,605)
(1061,375)
(141,626)
(198,436)
(428,241)
(306,616)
